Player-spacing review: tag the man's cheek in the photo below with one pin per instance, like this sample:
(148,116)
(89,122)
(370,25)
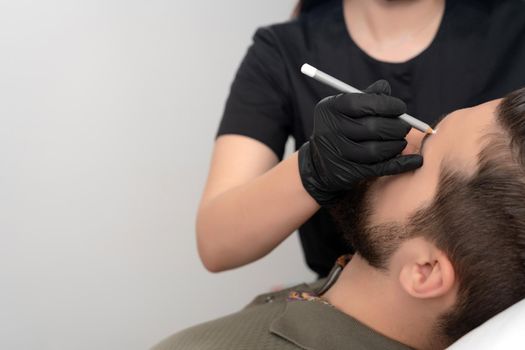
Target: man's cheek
(389,197)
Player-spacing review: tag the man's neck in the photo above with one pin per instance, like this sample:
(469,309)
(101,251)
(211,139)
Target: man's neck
(370,296)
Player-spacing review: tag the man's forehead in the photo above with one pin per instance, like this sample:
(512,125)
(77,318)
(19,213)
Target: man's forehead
(462,134)
(477,115)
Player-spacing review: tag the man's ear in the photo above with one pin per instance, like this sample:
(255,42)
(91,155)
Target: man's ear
(429,275)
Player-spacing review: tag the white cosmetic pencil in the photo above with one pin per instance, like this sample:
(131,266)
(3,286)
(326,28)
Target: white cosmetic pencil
(327,79)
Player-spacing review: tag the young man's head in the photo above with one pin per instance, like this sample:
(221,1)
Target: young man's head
(451,235)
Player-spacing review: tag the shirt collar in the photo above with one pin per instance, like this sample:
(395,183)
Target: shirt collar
(315,326)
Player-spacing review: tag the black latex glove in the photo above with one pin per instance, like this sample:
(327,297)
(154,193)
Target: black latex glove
(355,137)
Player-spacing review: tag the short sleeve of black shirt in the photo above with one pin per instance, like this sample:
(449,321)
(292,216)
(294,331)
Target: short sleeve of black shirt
(259,102)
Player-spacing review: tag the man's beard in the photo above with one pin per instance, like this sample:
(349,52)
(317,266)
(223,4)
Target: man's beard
(375,243)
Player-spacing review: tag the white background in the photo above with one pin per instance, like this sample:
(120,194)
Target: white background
(108,110)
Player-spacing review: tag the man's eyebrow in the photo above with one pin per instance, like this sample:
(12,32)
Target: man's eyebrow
(434,125)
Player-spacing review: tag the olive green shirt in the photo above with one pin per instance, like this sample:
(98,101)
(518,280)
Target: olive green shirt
(271,322)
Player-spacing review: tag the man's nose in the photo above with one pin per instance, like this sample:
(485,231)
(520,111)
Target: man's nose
(414,139)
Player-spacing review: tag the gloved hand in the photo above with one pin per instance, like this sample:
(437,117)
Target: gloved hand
(355,137)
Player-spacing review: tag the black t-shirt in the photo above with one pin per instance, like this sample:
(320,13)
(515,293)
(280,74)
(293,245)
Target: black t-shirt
(478,54)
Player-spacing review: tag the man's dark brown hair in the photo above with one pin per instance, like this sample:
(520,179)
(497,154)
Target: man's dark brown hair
(477,220)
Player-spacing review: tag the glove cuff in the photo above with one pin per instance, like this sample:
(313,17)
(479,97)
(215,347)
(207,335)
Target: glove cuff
(311,180)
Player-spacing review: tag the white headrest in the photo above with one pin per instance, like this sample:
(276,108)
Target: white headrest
(504,331)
